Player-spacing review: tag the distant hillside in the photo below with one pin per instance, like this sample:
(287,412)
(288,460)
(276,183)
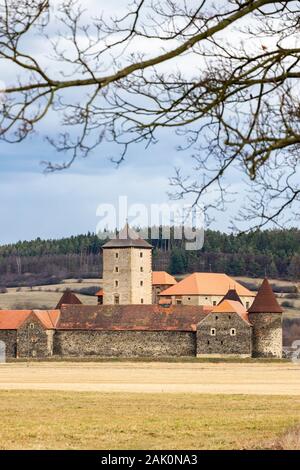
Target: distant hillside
(272,252)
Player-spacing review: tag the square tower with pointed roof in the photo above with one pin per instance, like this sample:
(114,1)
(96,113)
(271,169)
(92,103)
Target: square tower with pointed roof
(127,269)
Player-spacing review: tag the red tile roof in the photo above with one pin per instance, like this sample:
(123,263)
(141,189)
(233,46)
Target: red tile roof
(232,306)
(48,318)
(14,319)
(68,297)
(207,284)
(162,278)
(265,301)
(130,317)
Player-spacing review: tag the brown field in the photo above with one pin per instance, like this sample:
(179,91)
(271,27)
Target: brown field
(163,377)
(45,296)
(258,281)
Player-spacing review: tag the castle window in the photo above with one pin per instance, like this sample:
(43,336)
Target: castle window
(232,331)
(229,316)
(141,269)
(214,303)
(141,254)
(142,301)
(212,332)
(178,301)
(117,269)
(217,318)
(141,283)
(117,255)
(116,299)
(208,342)
(247,305)
(116,283)
(31,326)
(189,298)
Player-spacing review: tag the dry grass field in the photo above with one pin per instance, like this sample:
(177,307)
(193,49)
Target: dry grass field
(154,377)
(45,296)
(149,405)
(76,420)
(258,281)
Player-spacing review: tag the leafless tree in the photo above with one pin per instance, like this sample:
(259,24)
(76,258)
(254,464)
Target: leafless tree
(224,75)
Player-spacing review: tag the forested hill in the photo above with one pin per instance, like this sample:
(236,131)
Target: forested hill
(274,252)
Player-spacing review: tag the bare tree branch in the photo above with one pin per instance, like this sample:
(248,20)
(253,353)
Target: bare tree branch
(237,106)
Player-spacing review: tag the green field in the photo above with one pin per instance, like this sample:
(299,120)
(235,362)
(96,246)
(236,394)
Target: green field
(76,420)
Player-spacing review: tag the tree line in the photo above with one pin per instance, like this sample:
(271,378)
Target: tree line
(275,253)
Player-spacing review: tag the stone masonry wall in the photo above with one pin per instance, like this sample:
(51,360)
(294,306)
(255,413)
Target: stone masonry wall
(124,343)
(141,276)
(9,337)
(34,340)
(112,259)
(266,334)
(129,269)
(222,342)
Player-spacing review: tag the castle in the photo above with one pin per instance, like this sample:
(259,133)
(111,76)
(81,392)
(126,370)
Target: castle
(146,314)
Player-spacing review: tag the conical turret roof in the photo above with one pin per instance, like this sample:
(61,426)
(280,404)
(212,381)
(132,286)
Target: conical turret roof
(127,237)
(265,301)
(68,298)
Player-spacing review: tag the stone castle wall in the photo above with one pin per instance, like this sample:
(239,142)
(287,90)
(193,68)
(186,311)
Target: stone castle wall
(9,337)
(34,340)
(223,343)
(266,334)
(263,339)
(68,343)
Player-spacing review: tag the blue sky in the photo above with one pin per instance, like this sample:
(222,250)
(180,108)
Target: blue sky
(52,205)
(34,204)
